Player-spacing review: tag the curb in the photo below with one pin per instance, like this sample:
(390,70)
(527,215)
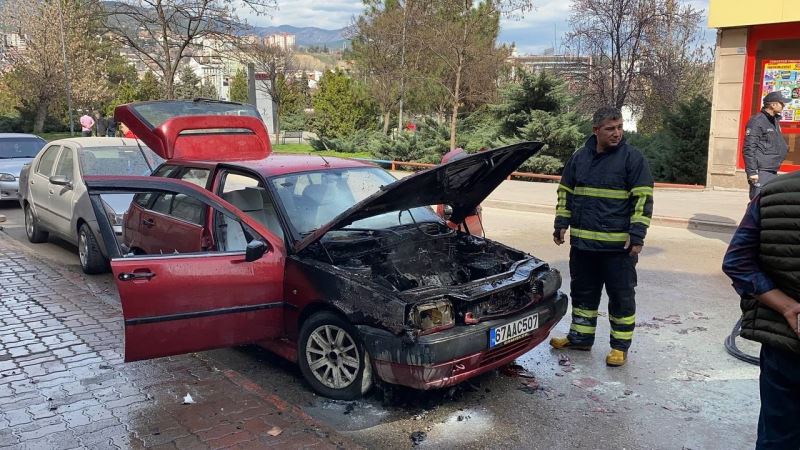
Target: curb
(665,221)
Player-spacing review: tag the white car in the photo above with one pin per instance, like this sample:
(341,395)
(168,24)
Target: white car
(16,150)
(53,194)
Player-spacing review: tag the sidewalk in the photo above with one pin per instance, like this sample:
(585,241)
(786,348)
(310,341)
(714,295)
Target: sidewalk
(708,210)
(63,383)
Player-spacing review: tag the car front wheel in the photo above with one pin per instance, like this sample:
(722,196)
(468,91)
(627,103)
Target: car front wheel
(332,357)
(32,228)
(92,259)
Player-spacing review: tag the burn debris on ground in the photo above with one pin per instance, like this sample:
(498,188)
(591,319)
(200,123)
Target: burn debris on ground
(418,437)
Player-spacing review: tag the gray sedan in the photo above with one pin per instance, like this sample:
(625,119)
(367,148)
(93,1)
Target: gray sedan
(54,197)
(16,150)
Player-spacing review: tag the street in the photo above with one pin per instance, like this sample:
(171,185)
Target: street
(680,388)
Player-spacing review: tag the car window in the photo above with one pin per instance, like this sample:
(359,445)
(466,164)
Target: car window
(166,171)
(196,176)
(47,160)
(118,160)
(20,147)
(66,164)
(313,199)
(169,223)
(247,193)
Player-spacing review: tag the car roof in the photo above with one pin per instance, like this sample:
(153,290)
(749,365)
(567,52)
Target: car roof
(282,164)
(19,135)
(88,142)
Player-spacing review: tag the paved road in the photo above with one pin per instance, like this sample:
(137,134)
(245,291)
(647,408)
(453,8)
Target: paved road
(680,389)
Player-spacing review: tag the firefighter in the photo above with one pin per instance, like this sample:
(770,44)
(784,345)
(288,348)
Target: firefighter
(764,146)
(606,198)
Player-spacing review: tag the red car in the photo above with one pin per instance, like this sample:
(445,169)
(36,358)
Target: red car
(328,262)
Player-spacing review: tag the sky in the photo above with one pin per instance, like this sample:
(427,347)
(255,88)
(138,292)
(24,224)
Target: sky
(538,30)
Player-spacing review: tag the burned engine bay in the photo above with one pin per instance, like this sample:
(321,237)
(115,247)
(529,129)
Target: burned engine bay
(428,255)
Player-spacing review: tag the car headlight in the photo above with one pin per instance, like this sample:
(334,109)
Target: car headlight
(7,177)
(431,317)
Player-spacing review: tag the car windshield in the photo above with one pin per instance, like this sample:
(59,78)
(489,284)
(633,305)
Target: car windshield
(20,147)
(156,113)
(123,160)
(312,199)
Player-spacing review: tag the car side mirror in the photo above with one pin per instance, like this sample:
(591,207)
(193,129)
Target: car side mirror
(447,212)
(255,250)
(61,180)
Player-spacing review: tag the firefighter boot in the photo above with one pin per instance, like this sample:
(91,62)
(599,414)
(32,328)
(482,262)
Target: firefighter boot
(564,342)
(616,358)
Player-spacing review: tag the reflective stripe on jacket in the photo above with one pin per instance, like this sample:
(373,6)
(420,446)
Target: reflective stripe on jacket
(605,198)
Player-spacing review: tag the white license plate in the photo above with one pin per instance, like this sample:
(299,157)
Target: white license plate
(513,330)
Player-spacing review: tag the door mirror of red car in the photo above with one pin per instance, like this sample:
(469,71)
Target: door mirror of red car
(255,250)
(61,180)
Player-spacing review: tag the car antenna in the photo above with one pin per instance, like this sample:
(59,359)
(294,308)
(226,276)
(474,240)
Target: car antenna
(327,164)
(146,159)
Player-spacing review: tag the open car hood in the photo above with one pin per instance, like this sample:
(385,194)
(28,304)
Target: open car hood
(462,184)
(199,130)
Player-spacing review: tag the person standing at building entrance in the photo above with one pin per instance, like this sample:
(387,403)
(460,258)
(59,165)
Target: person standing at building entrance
(764,145)
(605,198)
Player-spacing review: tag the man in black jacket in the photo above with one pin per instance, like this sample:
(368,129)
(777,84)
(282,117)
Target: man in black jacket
(606,198)
(760,261)
(764,146)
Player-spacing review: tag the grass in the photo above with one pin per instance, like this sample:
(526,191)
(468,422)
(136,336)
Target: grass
(53,136)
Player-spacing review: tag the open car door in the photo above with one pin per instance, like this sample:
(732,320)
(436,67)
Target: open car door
(226,290)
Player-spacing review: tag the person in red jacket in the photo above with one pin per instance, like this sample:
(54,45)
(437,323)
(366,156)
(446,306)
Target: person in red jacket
(126,132)
(473,222)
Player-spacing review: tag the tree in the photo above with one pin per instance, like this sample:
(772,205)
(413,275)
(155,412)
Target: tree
(38,75)
(614,33)
(162,32)
(149,88)
(341,106)
(239,89)
(188,85)
(460,37)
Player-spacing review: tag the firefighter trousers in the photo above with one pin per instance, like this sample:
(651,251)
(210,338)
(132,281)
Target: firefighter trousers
(589,272)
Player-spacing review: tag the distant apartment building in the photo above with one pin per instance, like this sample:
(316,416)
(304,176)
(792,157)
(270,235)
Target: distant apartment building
(568,65)
(12,40)
(285,41)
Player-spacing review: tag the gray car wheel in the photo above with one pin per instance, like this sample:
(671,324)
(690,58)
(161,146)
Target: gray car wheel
(332,358)
(92,259)
(32,228)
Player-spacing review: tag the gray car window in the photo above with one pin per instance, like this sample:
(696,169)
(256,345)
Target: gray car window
(66,164)
(45,166)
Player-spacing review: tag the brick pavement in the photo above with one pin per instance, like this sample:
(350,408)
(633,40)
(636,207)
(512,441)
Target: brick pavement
(63,383)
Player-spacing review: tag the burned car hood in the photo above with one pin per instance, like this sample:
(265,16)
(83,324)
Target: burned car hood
(462,184)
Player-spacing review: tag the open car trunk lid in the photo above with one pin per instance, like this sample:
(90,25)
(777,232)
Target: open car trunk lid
(462,184)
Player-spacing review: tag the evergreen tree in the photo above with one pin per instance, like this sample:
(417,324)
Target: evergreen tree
(149,87)
(208,90)
(188,86)
(341,106)
(239,90)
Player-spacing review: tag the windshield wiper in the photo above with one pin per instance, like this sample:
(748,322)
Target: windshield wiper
(369,230)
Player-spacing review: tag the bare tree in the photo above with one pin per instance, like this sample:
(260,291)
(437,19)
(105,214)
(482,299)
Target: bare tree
(273,64)
(614,33)
(460,38)
(162,31)
(38,73)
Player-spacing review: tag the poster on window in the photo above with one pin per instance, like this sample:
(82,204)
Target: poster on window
(784,76)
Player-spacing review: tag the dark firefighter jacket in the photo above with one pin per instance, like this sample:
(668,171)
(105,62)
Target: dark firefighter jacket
(605,198)
(764,146)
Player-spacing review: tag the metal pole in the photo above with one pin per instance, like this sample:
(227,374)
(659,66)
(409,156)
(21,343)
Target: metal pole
(66,70)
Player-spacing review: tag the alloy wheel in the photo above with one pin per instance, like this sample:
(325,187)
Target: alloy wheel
(333,356)
(29,221)
(83,248)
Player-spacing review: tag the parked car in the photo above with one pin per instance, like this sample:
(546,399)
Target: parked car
(53,195)
(328,262)
(16,150)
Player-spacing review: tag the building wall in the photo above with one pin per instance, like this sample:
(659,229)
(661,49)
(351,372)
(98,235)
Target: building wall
(726,109)
(738,13)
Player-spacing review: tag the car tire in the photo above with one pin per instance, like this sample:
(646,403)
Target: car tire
(92,259)
(32,227)
(332,357)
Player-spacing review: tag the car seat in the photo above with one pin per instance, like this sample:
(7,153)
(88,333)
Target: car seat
(254,202)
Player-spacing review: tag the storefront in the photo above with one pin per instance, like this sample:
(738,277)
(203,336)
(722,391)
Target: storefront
(757,52)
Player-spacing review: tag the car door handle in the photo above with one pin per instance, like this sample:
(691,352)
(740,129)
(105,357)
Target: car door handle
(128,276)
(148,222)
